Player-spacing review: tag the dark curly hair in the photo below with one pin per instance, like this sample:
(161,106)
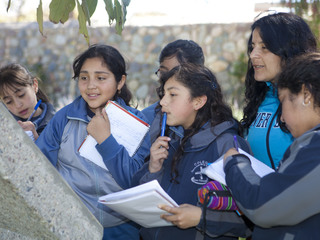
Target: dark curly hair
(285,35)
(200,81)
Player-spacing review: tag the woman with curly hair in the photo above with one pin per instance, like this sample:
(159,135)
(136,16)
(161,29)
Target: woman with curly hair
(274,40)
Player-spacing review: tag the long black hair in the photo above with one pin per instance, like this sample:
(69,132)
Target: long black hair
(112,58)
(285,35)
(200,81)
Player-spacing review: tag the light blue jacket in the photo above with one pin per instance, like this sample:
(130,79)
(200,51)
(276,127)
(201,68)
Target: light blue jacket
(276,141)
(60,141)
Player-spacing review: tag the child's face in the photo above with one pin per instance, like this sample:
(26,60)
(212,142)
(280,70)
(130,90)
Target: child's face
(178,105)
(21,101)
(297,117)
(97,84)
(167,64)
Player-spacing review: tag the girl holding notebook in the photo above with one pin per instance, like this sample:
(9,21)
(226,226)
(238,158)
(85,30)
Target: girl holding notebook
(285,204)
(192,98)
(100,72)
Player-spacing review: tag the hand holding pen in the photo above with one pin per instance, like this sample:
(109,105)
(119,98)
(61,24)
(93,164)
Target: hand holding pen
(159,149)
(233,151)
(35,109)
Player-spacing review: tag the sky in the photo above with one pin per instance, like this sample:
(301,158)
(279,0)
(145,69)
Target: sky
(166,12)
(175,12)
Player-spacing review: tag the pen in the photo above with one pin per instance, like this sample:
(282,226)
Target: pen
(163,125)
(235,141)
(35,109)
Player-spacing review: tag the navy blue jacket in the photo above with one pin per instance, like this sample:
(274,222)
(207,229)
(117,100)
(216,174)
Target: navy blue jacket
(283,204)
(204,147)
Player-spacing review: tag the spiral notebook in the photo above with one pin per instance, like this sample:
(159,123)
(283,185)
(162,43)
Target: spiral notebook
(128,129)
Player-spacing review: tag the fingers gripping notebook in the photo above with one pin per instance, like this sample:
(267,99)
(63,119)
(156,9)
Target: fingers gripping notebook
(128,130)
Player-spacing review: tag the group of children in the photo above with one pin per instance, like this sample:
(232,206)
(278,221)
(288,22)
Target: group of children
(200,128)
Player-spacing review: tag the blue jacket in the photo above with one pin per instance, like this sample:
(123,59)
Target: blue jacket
(204,147)
(276,141)
(284,204)
(60,142)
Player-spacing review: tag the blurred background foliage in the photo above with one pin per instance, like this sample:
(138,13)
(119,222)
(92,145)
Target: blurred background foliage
(62,11)
(308,10)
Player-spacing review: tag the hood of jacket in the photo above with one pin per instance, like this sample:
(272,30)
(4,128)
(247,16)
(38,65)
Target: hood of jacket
(208,134)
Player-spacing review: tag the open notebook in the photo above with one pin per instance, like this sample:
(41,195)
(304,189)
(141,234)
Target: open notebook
(128,130)
(140,204)
(215,170)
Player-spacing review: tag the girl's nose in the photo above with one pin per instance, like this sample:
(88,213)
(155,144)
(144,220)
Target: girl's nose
(18,104)
(162,101)
(255,53)
(91,84)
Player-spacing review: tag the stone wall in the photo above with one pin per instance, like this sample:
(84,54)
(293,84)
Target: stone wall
(51,56)
(35,201)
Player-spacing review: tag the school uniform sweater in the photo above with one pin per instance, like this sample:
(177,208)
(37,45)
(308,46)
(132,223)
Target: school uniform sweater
(204,147)
(285,204)
(60,142)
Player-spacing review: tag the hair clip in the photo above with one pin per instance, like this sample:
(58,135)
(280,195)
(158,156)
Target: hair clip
(213,85)
(265,13)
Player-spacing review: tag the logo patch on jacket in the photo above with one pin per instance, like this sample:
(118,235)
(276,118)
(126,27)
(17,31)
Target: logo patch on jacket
(198,176)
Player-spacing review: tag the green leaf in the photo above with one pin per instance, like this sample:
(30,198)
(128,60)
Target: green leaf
(40,17)
(119,17)
(9,4)
(126,3)
(85,9)
(82,22)
(110,10)
(124,8)
(92,5)
(60,10)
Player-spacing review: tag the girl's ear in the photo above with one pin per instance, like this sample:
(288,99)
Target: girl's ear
(35,85)
(307,96)
(199,102)
(122,82)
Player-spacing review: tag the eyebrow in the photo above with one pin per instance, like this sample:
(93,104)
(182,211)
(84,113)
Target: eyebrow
(170,88)
(16,91)
(163,67)
(252,42)
(99,72)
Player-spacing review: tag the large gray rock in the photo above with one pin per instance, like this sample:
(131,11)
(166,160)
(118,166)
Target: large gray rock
(35,202)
